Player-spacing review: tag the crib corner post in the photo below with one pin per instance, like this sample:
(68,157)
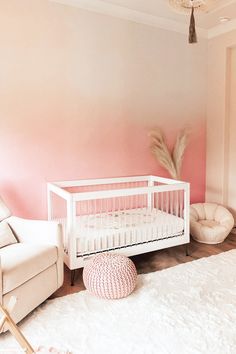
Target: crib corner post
(187,211)
(72,277)
(187,250)
(71,215)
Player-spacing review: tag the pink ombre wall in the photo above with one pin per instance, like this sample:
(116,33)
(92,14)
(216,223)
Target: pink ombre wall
(79,93)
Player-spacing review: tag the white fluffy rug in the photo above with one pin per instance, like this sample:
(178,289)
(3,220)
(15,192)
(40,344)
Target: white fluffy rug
(187,309)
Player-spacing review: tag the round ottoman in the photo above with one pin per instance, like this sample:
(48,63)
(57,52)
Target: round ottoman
(110,276)
(210,223)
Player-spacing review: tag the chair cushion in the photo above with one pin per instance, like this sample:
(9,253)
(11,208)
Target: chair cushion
(209,223)
(22,261)
(6,235)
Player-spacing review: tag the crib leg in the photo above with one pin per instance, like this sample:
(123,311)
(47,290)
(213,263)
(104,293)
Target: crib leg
(186,250)
(72,277)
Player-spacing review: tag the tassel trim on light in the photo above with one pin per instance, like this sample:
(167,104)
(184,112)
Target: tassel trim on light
(192,30)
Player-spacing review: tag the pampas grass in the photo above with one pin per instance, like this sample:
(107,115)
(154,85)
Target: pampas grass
(161,152)
(179,149)
(172,162)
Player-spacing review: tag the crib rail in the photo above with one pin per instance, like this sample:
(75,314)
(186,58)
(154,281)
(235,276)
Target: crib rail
(120,214)
(115,180)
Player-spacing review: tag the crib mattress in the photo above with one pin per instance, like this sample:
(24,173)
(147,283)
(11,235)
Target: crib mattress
(103,231)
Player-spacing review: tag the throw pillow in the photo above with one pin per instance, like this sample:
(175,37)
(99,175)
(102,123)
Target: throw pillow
(4,211)
(6,235)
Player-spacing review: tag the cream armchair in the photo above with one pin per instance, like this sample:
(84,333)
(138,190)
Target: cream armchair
(32,268)
(210,223)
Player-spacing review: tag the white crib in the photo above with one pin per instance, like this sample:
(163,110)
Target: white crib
(127,215)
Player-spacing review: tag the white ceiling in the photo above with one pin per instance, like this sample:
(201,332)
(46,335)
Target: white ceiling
(158,13)
(161,8)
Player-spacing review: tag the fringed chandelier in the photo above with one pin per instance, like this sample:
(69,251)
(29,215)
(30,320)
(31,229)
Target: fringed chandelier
(189,5)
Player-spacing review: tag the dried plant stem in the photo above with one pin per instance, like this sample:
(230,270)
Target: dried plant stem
(179,149)
(161,152)
(171,162)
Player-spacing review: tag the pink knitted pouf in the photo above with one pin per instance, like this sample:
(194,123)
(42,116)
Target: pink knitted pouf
(110,276)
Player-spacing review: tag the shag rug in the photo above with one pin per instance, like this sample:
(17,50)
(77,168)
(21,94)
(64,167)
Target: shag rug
(187,309)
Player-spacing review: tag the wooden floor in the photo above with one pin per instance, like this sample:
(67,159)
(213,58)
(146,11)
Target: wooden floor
(151,262)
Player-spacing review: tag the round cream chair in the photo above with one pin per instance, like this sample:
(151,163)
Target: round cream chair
(210,223)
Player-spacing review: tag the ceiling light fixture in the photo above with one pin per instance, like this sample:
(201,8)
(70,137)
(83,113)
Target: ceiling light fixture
(189,5)
(224,19)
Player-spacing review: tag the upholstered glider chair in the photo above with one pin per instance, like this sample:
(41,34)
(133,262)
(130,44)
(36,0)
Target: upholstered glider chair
(31,261)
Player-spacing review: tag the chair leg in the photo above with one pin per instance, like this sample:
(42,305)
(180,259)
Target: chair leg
(15,331)
(72,277)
